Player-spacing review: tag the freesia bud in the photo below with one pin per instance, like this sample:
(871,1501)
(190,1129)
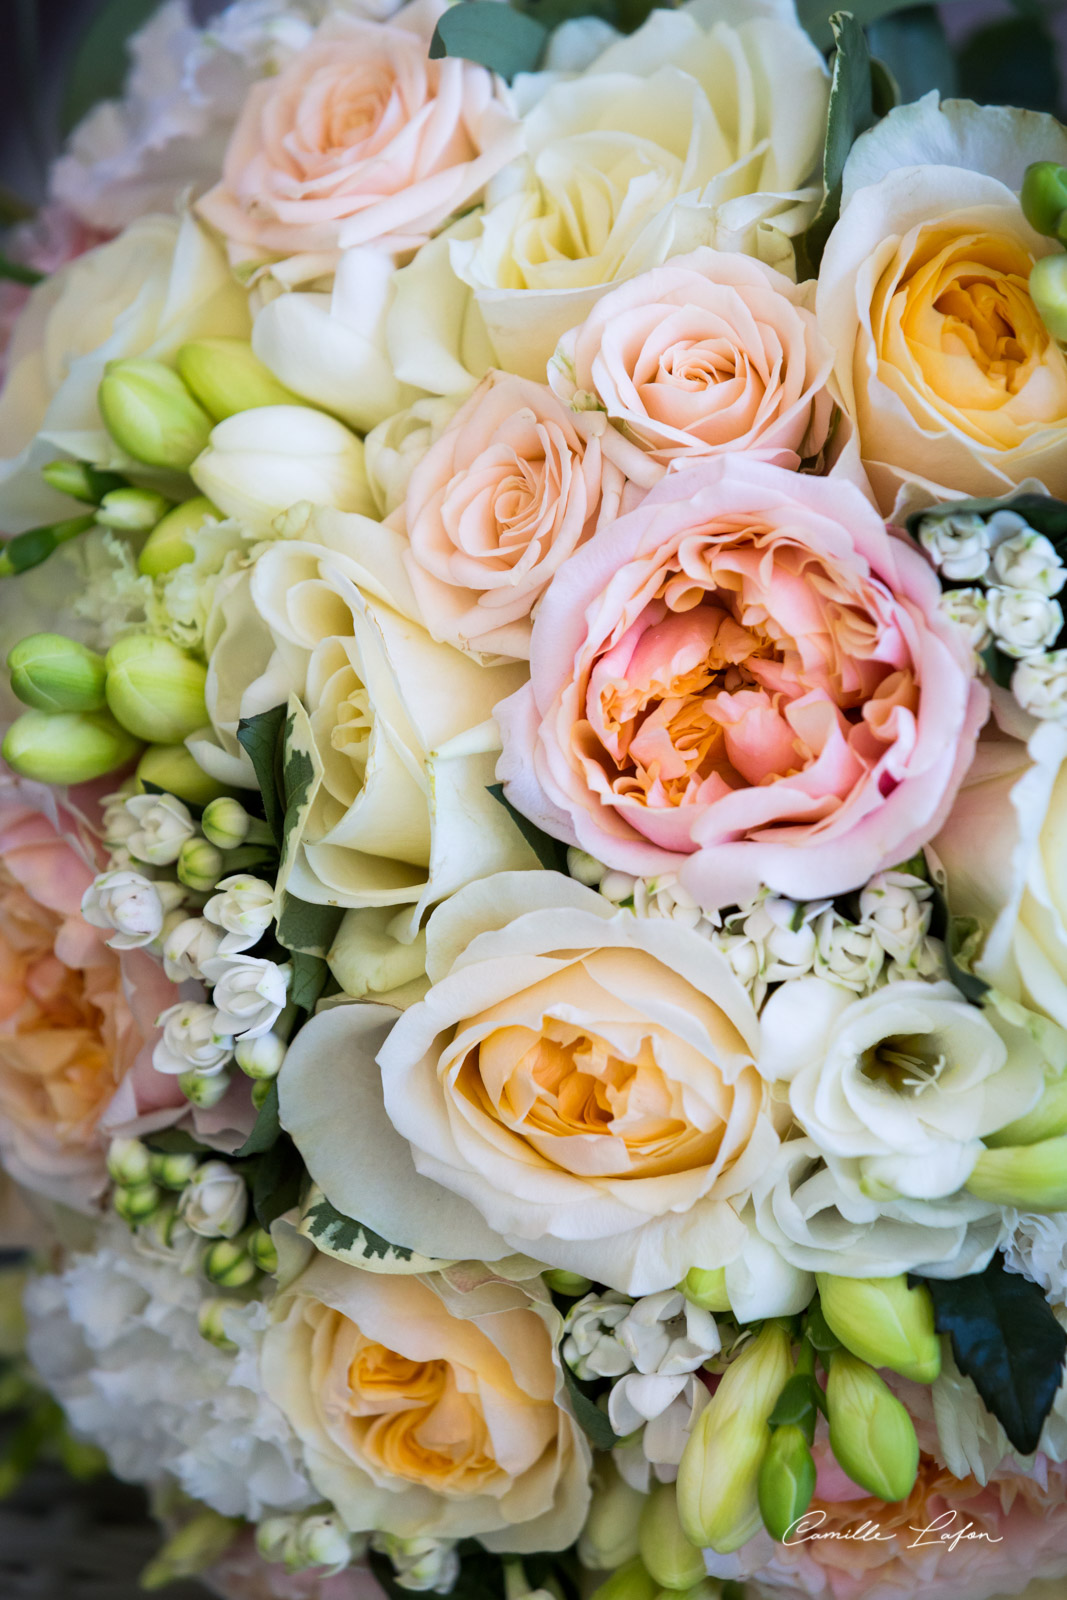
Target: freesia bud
(871,1434)
(129,1162)
(719,1473)
(67,746)
(228,1264)
(155,689)
(163,1226)
(209,1321)
(260,1058)
(263,1250)
(1044,197)
(167,546)
(883,1322)
(630,1582)
(151,415)
(52,673)
(706,1288)
(259,463)
(1031,1177)
(610,1536)
(786,1480)
(172,1169)
(126,902)
(1048,291)
(571,1284)
(81,481)
(137,1202)
(171,768)
(667,1553)
(226,823)
(226,377)
(132,510)
(202,1091)
(195,1547)
(200,865)
(214,1203)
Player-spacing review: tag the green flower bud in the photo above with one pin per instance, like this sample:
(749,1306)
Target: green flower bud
(67,746)
(706,1288)
(1031,1177)
(81,481)
(883,1322)
(611,1533)
(151,415)
(199,1545)
(871,1434)
(137,1203)
(1044,196)
(260,1091)
(172,1170)
(228,1263)
(629,1582)
(786,1480)
(262,1249)
(29,549)
(226,377)
(260,1058)
(129,1162)
(164,1223)
(210,1324)
(200,865)
(167,546)
(273,1535)
(171,768)
(227,824)
(1048,291)
(132,510)
(1047,1120)
(204,1092)
(571,1284)
(52,673)
(668,1555)
(155,689)
(719,1474)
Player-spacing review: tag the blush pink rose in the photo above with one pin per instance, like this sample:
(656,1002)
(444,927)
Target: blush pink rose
(360,140)
(513,486)
(708,354)
(744,681)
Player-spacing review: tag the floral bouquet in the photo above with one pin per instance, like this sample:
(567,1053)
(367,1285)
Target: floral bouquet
(533,828)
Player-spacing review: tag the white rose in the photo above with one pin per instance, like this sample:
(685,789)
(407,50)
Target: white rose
(1022,622)
(186,946)
(1039,683)
(1027,560)
(127,902)
(214,1203)
(249,993)
(244,909)
(193,1040)
(146,293)
(958,546)
(637,160)
(162,825)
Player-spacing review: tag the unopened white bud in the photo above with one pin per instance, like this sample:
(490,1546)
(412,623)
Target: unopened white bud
(195,1039)
(260,1057)
(200,865)
(129,1162)
(137,1203)
(1040,685)
(244,908)
(214,1204)
(204,1092)
(423,1565)
(227,1263)
(227,824)
(273,1533)
(1029,561)
(173,1169)
(163,824)
(126,902)
(957,545)
(617,887)
(1024,624)
(584,867)
(209,1321)
(969,610)
(187,945)
(319,1541)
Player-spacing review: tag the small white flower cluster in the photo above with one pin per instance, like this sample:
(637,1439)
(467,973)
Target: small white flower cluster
(773,939)
(424,1565)
(652,1348)
(308,1543)
(1015,606)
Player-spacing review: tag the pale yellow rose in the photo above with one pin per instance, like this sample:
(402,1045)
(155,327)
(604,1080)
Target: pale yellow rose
(430,1406)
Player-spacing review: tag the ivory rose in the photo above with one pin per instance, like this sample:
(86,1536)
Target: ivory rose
(146,293)
(644,156)
(955,384)
(710,353)
(578,1083)
(429,1407)
(361,139)
(744,681)
(512,487)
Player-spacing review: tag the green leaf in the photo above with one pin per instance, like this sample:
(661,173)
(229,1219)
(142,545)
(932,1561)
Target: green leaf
(961,937)
(278,1181)
(815,16)
(325,1222)
(850,113)
(550,852)
(16,272)
(100,62)
(1001,668)
(267,1130)
(309,979)
(1006,1338)
(592,1421)
(913,47)
(1013,62)
(175,1142)
(261,738)
(309,928)
(504,40)
(1041,511)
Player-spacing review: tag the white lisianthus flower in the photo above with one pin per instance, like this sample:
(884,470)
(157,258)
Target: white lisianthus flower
(969,609)
(1022,622)
(897,907)
(249,993)
(957,545)
(244,908)
(127,902)
(1027,560)
(590,1345)
(907,1081)
(186,946)
(162,824)
(193,1040)
(214,1203)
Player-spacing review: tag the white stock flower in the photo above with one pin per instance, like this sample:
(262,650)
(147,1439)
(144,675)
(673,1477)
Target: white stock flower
(244,909)
(1023,623)
(1027,560)
(162,824)
(116,1339)
(193,1040)
(249,993)
(957,545)
(590,1346)
(423,1565)
(126,902)
(968,609)
(214,1203)
(897,907)
(847,952)
(1039,683)
(187,944)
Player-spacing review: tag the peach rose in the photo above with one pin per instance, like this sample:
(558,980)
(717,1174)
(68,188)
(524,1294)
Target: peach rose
(77,1019)
(711,353)
(430,1407)
(744,681)
(360,140)
(511,488)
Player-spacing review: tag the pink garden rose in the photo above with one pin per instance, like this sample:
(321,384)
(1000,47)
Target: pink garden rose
(361,139)
(746,680)
(708,354)
(514,485)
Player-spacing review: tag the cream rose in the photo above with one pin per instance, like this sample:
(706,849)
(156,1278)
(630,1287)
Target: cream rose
(643,157)
(955,384)
(578,1083)
(146,293)
(430,1408)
